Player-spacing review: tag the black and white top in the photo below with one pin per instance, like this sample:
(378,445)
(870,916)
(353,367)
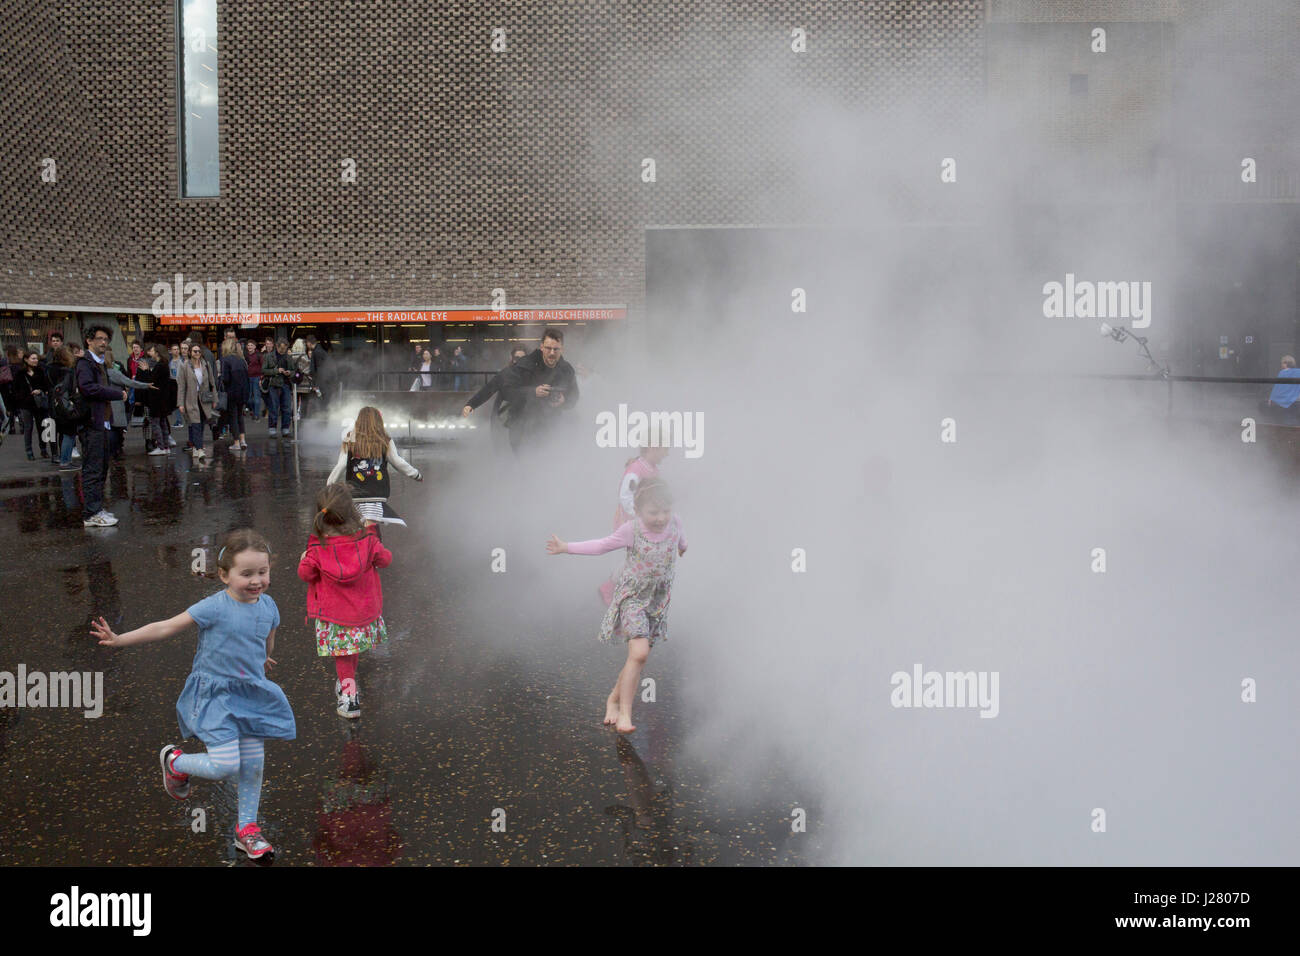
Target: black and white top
(368,479)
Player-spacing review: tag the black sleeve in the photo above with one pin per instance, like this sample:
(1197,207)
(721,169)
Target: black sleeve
(22,391)
(88,384)
(490,388)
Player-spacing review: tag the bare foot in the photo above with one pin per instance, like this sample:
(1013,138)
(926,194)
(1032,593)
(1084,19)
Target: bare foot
(611,709)
(625,725)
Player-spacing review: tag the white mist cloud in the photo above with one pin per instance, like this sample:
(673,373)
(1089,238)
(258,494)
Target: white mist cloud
(1118,690)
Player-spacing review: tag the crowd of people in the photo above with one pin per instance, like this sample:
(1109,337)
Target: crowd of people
(75,402)
(438,371)
(161,388)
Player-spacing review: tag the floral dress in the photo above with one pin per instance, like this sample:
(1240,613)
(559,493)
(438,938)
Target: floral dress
(341,640)
(639,607)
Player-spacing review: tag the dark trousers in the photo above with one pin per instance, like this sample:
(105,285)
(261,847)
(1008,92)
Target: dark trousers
(233,418)
(156,430)
(31,424)
(94,468)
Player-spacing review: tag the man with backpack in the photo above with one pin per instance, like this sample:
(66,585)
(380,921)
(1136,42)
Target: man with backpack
(95,422)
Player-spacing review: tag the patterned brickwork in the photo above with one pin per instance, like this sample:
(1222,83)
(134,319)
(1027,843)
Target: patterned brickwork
(522,169)
(475,169)
(74,225)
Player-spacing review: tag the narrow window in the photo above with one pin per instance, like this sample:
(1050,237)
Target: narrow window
(197,94)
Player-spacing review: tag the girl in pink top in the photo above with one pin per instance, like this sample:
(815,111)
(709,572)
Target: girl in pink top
(638,613)
(644,465)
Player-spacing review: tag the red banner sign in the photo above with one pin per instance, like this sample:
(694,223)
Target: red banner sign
(399,318)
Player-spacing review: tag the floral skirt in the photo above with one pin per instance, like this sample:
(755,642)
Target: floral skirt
(339,640)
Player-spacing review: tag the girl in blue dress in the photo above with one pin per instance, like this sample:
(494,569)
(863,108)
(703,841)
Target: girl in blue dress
(228,702)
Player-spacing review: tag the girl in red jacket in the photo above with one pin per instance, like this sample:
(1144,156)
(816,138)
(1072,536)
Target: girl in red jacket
(340,567)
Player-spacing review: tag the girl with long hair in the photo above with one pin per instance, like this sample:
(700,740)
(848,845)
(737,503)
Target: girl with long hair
(364,462)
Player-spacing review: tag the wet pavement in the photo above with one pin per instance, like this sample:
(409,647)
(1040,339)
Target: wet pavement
(464,724)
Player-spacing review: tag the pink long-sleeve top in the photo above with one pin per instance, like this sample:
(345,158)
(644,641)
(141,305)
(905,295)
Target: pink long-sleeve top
(622,538)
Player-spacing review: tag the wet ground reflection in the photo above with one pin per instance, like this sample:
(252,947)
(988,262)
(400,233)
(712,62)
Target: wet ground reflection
(455,734)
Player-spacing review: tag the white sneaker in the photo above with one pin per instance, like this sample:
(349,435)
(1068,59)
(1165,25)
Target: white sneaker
(101,520)
(275,433)
(158,451)
(171,442)
(76,453)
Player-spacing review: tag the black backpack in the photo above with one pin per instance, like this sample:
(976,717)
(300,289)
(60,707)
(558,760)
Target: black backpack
(70,406)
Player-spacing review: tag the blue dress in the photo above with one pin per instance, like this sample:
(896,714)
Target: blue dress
(228,694)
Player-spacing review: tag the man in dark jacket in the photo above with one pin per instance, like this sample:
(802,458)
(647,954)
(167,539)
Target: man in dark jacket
(490,388)
(277,373)
(320,371)
(92,383)
(538,388)
(53,342)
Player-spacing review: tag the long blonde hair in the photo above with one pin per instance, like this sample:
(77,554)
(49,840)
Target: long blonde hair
(369,439)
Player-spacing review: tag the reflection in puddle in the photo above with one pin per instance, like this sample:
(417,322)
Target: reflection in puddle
(354,818)
(649,835)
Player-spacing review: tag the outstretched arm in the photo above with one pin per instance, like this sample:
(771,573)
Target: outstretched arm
(621,538)
(401,464)
(117,378)
(487,391)
(156,631)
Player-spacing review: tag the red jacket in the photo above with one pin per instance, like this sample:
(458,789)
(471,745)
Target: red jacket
(343,578)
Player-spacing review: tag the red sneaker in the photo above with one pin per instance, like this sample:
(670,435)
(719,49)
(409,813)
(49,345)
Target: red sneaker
(176,784)
(250,841)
